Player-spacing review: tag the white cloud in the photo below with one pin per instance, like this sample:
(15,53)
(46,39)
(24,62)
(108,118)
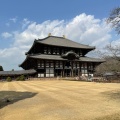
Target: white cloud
(116,42)
(11,57)
(14,19)
(83,29)
(6,35)
(25,23)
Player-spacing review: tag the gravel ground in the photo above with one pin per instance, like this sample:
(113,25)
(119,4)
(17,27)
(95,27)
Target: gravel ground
(59,100)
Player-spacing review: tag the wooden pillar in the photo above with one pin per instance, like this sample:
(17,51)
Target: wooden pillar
(72,73)
(93,64)
(87,68)
(78,72)
(72,70)
(54,69)
(61,74)
(63,69)
(45,68)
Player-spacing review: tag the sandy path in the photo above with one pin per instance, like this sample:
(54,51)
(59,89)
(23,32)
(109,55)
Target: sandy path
(4,87)
(61,100)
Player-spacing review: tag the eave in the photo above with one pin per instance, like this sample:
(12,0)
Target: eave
(58,57)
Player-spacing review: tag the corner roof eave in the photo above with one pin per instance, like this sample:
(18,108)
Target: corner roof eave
(31,47)
(20,65)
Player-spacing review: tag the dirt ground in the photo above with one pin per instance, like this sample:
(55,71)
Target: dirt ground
(59,100)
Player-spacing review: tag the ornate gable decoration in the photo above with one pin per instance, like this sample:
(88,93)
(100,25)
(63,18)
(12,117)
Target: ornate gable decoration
(70,55)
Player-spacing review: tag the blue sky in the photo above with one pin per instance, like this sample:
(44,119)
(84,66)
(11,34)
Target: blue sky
(41,10)
(21,21)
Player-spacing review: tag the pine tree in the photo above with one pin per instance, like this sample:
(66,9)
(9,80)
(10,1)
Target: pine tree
(1,68)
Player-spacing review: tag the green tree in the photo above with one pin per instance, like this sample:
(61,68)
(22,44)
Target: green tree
(1,68)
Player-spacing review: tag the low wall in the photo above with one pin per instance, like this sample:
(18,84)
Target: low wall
(54,78)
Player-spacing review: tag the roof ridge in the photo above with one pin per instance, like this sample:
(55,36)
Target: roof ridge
(40,39)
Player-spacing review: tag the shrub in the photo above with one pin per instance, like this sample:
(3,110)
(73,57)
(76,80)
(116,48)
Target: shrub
(9,79)
(18,78)
(21,78)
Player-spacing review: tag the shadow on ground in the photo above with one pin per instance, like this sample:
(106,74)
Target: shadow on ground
(115,116)
(10,97)
(112,95)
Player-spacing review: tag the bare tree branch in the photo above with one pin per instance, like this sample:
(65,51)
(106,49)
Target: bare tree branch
(114,19)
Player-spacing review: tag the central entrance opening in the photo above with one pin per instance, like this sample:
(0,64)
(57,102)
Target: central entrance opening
(58,72)
(67,72)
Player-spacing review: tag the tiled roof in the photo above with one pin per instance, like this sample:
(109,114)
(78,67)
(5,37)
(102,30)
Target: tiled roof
(57,57)
(89,59)
(20,72)
(60,41)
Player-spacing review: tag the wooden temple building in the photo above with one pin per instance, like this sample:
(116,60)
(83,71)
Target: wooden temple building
(58,56)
